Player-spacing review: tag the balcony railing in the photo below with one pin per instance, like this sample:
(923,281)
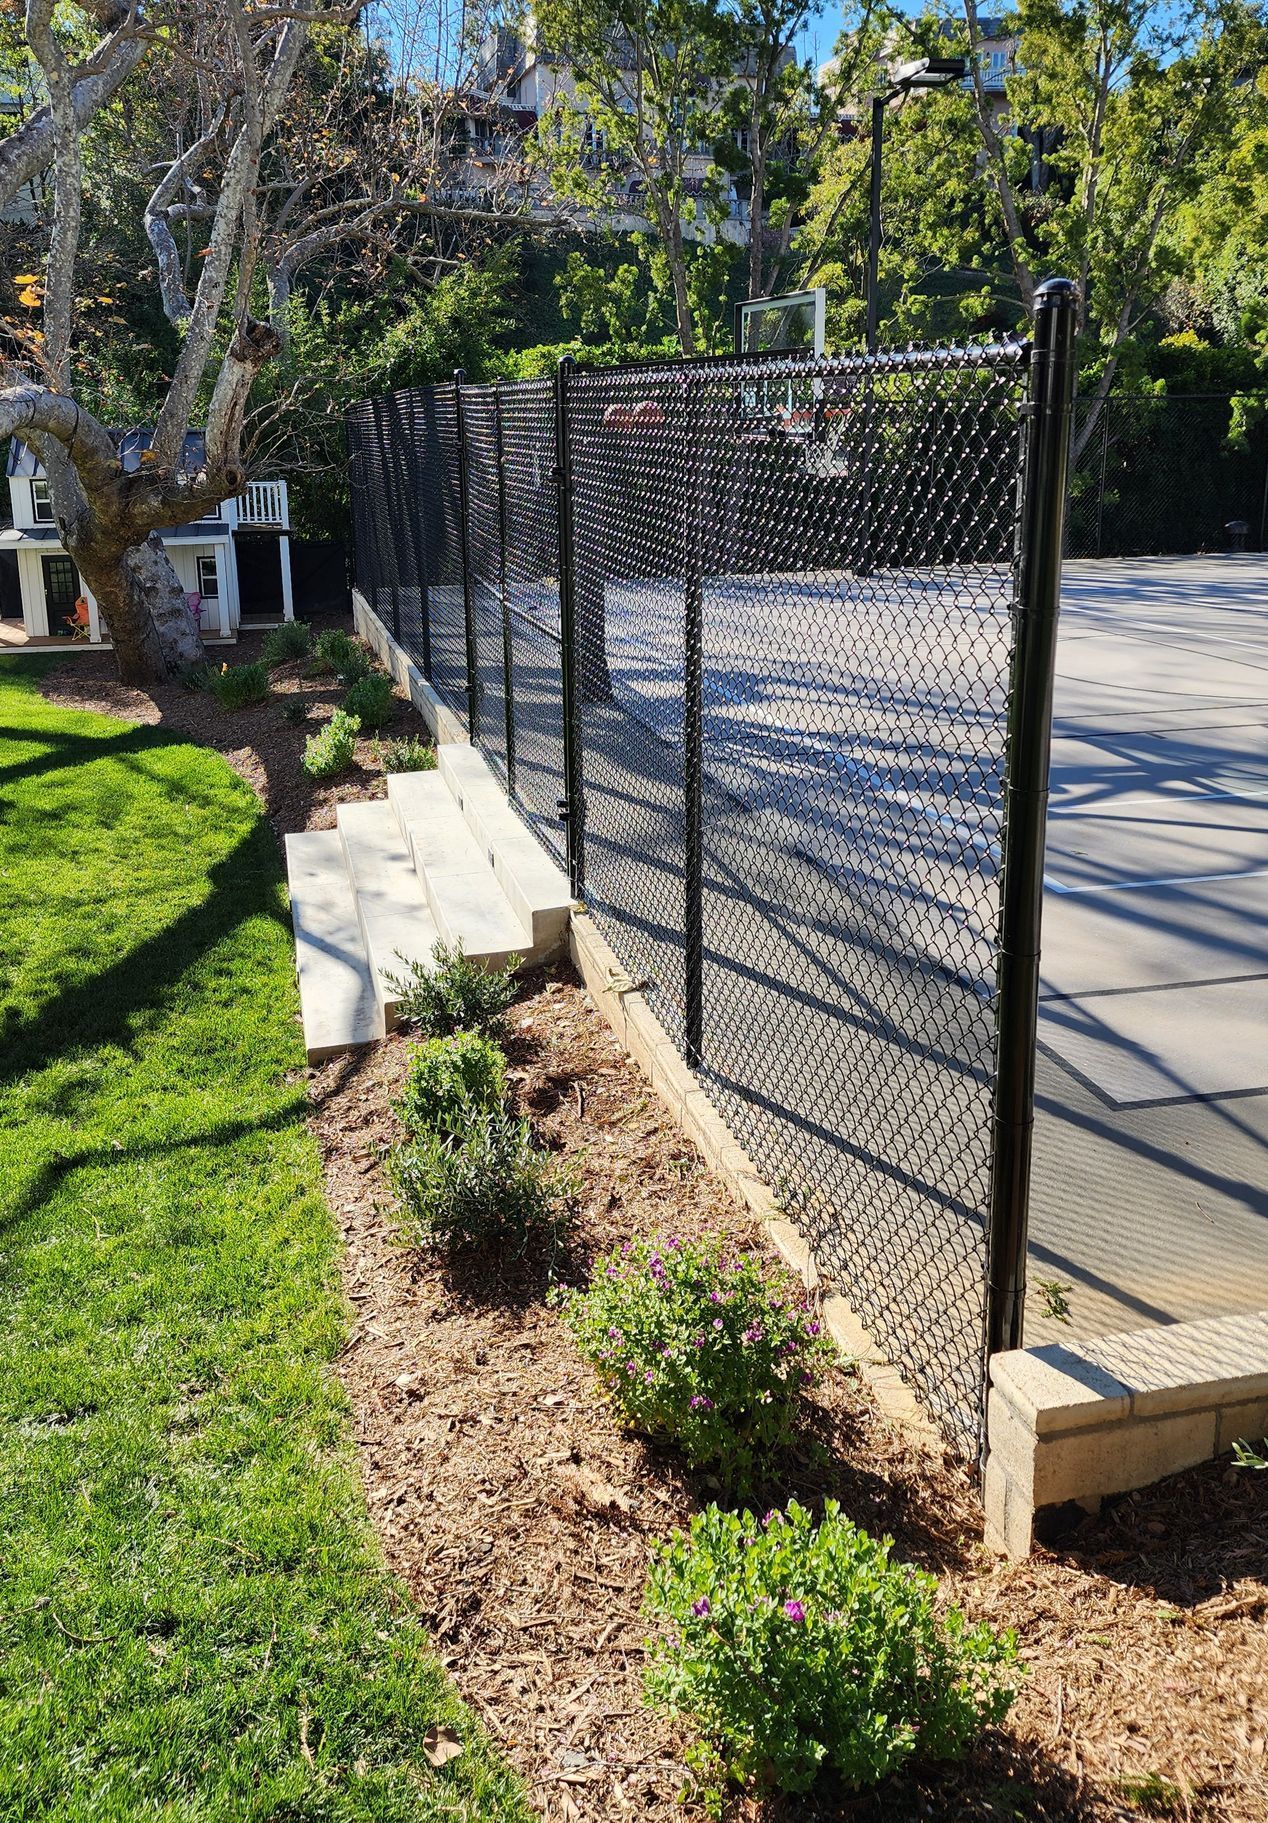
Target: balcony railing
(264,503)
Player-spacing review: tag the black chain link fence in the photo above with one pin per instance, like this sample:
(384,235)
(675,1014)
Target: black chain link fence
(1167,476)
(779,599)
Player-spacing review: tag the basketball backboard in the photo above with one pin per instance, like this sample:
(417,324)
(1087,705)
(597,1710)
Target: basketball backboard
(789,325)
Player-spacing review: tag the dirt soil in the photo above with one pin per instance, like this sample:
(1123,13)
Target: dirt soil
(519,1515)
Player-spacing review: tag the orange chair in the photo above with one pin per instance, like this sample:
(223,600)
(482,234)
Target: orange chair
(79,622)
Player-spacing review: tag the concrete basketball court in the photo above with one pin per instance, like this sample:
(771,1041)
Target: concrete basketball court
(1151,1154)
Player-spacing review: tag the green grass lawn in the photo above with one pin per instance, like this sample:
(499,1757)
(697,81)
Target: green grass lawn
(194,1620)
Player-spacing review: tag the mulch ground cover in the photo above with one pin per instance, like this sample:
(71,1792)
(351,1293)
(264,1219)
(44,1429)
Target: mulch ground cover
(519,1514)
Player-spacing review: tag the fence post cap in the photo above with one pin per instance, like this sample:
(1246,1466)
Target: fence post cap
(1057,293)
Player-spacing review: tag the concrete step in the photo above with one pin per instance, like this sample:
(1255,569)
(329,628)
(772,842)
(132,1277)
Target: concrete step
(535,885)
(397,927)
(464,896)
(336,986)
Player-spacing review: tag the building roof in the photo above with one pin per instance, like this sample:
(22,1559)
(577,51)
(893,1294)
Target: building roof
(24,464)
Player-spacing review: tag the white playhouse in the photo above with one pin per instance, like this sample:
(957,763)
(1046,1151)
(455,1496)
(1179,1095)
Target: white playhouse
(234,564)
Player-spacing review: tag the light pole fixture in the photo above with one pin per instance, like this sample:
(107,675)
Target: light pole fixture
(924,73)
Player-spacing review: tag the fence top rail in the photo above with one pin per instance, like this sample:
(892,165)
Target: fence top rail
(773,363)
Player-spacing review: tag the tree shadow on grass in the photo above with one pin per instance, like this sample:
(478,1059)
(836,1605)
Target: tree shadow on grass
(47,1177)
(101,1009)
(61,750)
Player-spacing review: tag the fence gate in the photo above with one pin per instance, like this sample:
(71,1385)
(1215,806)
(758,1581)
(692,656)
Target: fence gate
(778,637)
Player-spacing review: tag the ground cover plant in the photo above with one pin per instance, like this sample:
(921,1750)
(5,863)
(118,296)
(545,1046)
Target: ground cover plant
(194,1619)
(336,651)
(800,1648)
(487,1182)
(454,994)
(331,750)
(449,1080)
(408,754)
(293,639)
(238,686)
(700,1343)
(370,699)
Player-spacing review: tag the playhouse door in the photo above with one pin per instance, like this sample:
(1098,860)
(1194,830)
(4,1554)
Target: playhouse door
(61,590)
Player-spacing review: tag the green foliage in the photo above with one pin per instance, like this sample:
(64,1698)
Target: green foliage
(189,1568)
(1155,1796)
(454,994)
(337,651)
(331,751)
(295,710)
(238,686)
(489,1183)
(450,1081)
(195,677)
(1245,1457)
(798,1648)
(370,699)
(700,1345)
(409,754)
(293,639)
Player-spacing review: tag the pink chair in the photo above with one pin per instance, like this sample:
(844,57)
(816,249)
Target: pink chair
(194,602)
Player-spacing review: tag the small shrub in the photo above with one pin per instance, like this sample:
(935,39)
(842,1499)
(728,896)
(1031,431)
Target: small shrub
(451,1082)
(293,639)
(699,1345)
(370,700)
(238,686)
(295,710)
(337,651)
(331,751)
(455,994)
(406,755)
(491,1183)
(194,677)
(799,1648)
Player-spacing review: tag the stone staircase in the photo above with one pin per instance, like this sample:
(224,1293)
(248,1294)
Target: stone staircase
(443,858)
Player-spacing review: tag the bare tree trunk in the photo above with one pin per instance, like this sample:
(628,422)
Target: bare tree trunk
(143,605)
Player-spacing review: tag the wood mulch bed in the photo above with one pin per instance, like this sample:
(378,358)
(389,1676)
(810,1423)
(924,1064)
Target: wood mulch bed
(519,1515)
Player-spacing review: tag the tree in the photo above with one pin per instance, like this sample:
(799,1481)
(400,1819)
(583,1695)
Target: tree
(637,87)
(276,138)
(1135,101)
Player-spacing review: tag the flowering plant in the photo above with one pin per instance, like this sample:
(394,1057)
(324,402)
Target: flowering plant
(798,1647)
(699,1344)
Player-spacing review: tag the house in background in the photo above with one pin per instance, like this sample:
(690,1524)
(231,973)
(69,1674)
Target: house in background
(234,564)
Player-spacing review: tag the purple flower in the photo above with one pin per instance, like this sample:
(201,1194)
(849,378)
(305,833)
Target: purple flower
(754,1333)
(625,1246)
(717,1322)
(768,1517)
(701,1608)
(700,1403)
(812,1329)
(673,1242)
(631,1367)
(649,1376)
(699,1341)
(614,1272)
(614,1334)
(715,1297)
(794,1610)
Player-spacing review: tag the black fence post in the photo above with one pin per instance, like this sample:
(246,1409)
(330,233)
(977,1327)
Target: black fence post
(464,543)
(355,488)
(418,539)
(508,659)
(571,806)
(1038,601)
(695,508)
(385,469)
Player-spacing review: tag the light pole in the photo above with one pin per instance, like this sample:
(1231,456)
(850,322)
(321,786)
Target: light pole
(925,73)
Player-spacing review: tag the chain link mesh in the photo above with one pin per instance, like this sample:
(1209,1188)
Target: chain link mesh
(1156,476)
(792,594)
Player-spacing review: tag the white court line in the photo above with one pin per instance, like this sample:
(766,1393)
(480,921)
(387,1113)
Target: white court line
(1182,636)
(1131,886)
(1111,805)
